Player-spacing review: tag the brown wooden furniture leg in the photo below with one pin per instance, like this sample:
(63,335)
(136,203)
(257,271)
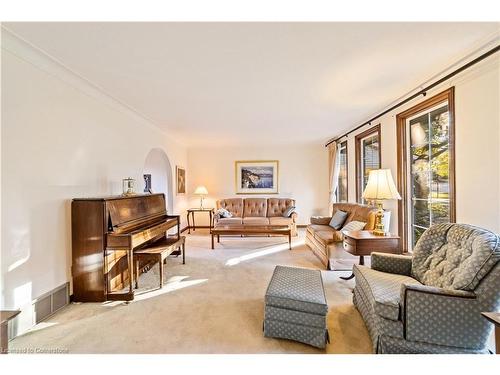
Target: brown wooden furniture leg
(210,223)
(361,263)
(161,272)
(212,241)
(194,225)
(290,240)
(136,273)
(189,225)
(4,339)
(130,264)
(218,238)
(183,253)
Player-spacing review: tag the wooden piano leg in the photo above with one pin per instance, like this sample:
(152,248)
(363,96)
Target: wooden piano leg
(130,271)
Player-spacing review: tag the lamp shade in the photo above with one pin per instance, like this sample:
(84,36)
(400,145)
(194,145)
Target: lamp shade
(201,190)
(381,185)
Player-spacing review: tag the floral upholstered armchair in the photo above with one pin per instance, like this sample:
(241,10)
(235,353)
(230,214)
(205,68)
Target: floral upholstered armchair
(432,302)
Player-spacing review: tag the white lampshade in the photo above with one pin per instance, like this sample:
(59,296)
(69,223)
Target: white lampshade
(380,185)
(201,190)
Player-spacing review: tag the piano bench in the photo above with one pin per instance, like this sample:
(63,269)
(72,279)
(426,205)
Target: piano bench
(158,252)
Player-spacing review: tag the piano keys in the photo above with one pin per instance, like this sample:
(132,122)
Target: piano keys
(105,232)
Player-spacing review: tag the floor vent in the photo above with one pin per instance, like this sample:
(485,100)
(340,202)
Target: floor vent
(46,305)
(42,307)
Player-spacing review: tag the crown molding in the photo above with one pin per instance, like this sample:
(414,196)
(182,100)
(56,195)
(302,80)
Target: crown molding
(40,59)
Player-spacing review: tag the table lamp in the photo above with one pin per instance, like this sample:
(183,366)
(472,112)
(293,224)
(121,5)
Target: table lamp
(380,186)
(201,191)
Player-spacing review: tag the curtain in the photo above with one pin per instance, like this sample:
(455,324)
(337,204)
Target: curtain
(333,170)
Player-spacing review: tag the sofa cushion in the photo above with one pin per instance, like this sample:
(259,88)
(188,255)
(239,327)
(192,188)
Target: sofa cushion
(328,237)
(255,220)
(254,207)
(455,256)
(289,211)
(338,219)
(233,205)
(280,220)
(382,290)
(313,228)
(354,226)
(276,206)
(229,221)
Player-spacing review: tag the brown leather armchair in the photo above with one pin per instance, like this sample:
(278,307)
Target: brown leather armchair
(326,242)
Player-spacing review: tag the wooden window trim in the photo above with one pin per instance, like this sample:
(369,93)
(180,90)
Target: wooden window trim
(346,168)
(402,142)
(359,137)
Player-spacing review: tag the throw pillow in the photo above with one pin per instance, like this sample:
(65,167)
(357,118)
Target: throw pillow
(354,225)
(289,211)
(222,212)
(338,219)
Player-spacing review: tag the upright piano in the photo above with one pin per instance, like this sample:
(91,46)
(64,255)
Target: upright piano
(105,232)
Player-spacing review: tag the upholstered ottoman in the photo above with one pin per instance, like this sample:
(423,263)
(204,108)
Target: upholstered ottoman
(296,306)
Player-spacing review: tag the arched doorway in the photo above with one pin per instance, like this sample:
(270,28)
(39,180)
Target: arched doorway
(158,166)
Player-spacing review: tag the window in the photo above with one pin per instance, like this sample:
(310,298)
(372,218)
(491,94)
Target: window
(425,166)
(367,158)
(341,192)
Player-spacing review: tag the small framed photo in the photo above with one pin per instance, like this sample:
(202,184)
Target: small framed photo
(181,180)
(257,177)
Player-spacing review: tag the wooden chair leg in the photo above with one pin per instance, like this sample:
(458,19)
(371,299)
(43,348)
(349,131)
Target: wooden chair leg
(183,253)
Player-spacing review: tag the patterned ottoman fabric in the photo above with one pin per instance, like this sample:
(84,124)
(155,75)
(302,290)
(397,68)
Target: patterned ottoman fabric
(307,335)
(298,289)
(296,306)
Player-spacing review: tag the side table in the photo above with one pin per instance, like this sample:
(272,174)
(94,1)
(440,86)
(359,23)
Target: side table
(5,316)
(190,213)
(364,242)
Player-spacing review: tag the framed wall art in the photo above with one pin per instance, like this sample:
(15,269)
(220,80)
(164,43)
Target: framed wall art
(257,176)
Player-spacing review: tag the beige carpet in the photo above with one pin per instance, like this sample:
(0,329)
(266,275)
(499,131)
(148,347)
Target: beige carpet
(213,304)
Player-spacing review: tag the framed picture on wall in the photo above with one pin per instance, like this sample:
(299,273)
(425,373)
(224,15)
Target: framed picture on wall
(181,180)
(257,177)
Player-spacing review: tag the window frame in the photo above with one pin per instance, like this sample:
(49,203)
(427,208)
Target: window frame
(359,168)
(341,145)
(404,165)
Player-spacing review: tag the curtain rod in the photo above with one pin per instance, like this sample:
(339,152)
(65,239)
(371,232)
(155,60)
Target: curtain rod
(421,92)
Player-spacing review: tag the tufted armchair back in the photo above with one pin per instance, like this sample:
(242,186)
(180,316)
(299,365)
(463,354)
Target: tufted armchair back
(233,205)
(455,256)
(277,206)
(254,207)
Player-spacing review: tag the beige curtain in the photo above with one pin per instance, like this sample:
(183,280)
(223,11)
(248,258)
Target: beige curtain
(333,170)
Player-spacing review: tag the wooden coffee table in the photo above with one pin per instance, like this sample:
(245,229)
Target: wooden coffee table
(283,230)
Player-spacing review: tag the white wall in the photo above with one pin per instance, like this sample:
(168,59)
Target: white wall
(477,131)
(303,174)
(61,138)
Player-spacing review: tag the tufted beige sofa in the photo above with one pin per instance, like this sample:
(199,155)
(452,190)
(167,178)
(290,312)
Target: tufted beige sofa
(326,242)
(257,211)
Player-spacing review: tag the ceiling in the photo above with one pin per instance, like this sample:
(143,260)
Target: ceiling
(256,83)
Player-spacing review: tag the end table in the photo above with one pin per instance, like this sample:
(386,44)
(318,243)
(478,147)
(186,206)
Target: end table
(191,211)
(364,242)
